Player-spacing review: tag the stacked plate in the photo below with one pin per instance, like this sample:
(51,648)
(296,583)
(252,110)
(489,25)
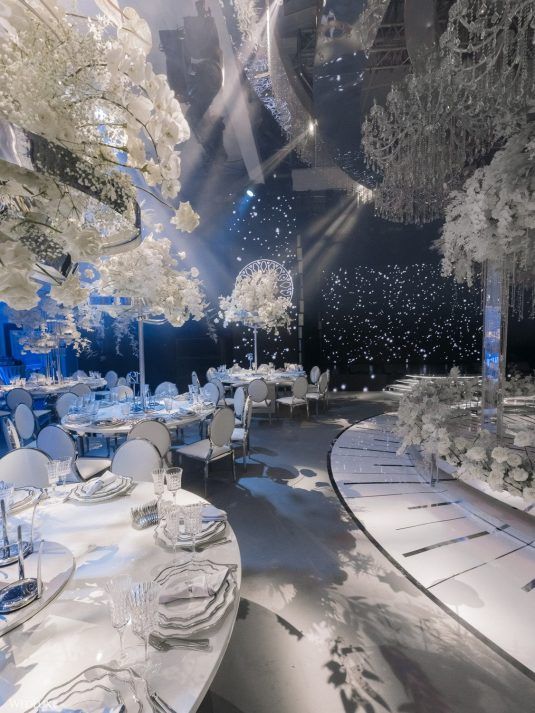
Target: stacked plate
(119,486)
(211,532)
(99,688)
(23,497)
(189,615)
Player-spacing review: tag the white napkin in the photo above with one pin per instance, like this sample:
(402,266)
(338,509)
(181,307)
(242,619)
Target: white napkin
(211,513)
(200,584)
(97,484)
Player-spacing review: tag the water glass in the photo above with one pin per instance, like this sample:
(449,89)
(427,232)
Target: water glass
(173,477)
(144,604)
(192,519)
(158,478)
(118,589)
(6,494)
(57,470)
(173,521)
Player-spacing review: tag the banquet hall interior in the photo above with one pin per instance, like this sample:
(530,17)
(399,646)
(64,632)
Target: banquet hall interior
(267,356)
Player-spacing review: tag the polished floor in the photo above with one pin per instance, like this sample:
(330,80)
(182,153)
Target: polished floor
(327,624)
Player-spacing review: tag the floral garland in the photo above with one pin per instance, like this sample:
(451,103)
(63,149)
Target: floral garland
(255,302)
(84,84)
(426,418)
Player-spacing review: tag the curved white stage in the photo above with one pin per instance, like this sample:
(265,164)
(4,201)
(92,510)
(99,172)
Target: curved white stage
(472,554)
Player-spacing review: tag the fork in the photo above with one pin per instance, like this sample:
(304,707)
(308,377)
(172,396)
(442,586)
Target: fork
(174,642)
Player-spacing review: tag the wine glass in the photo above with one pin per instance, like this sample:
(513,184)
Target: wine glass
(173,519)
(158,478)
(192,518)
(173,477)
(118,589)
(144,603)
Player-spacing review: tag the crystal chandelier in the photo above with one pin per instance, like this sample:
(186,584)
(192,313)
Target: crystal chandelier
(437,125)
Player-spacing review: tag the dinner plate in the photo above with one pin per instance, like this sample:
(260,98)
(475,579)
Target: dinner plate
(119,486)
(23,497)
(99,688)
(211,531)
(103,422)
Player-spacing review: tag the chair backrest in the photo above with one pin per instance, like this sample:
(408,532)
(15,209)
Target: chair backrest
(247,414)
(24,422)
(220,387)
(136,458)
(323,383)
(25,466)
(121,381)
(220,431)
(195,379)
(56,442)
(80,374)
(211,392)
(18,396)
(166,388)
(210,373)
(11,435)
(80,389)
(239,401)
(111,378)
(300,387)
(258,390)
(64,402)
(123,392)
(153,431)
(315,374)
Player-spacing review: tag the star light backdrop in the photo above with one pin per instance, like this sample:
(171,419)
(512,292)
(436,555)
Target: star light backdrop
(397,314)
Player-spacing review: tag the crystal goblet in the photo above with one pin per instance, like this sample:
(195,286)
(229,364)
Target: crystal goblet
(118,589)
(192,519)
(144,603)
(173,477)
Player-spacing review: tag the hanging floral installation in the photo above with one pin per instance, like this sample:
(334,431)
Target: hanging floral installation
(102,125)
(256,302)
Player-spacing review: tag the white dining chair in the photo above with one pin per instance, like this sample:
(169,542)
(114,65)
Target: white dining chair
(239,403)
(153,431)
(215,447)
(122,392)
(111,378)
(80,389)
(11,435)
(57,443)
(315,374)
(25,466)
(321,393)
(298,397)
(80,374)
(263,397)
(121,381)
(166,388)
(211,393)
(18,395)
(240,434)
(211,373)
(25,424)
(136,458)
(64,403)
(223,400)
(195,380)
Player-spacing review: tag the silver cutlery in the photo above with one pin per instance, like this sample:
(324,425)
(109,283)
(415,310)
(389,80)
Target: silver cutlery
(145,515)
(166,643)
(160,704)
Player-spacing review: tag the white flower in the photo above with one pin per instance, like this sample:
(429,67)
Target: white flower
(185,218)
(476,453)
(524,439)
(514,459)
(500,454)
(519,474)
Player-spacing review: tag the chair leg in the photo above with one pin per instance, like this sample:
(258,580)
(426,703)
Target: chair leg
(233,466)
(317,407)
(308,411)
(245,453)
(205,478)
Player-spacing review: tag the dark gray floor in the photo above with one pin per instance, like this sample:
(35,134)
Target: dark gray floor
(327,624)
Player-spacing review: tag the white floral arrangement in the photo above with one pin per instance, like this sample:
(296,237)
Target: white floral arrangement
(256,302)
(427,419)
(85,84)
(493,216)
(149,280)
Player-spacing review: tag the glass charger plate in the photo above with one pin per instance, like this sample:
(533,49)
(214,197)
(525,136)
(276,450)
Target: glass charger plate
(113,490)
(97,689)
(212,531)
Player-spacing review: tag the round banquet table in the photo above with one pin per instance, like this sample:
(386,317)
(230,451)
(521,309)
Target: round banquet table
(44,390)
(121,429)
(281,378)
(74,631)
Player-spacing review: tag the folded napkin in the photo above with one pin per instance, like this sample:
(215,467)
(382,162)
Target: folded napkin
(200,584)
(211,513)
(97,484)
